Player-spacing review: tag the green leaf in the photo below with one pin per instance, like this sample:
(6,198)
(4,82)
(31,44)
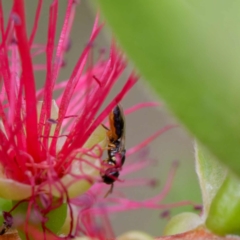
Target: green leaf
(224,213)
(182,222)
(5,205)
(56,218)
(189,51)
(211,175)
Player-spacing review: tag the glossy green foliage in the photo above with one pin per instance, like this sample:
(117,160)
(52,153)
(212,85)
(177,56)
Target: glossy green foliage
(224,213)
(189,52)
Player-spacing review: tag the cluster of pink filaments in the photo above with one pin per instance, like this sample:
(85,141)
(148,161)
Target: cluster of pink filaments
(29,152)
(27,146)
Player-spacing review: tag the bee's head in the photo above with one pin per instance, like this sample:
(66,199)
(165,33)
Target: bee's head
(110,175)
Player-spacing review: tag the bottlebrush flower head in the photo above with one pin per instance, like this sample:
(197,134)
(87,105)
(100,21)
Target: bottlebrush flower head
(51,147)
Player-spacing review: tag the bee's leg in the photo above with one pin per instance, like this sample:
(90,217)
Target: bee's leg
(110,146)
(105,127)
(109,132)
(109,191)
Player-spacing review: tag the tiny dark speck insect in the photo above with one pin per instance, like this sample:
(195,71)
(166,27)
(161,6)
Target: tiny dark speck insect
(116,147)
(7,223)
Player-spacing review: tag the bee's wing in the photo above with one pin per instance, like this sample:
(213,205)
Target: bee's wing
(122,140)
(122,145)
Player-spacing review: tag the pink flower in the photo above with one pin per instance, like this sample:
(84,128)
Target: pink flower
(51,147)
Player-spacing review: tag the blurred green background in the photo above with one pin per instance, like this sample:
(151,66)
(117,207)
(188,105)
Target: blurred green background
(176,144)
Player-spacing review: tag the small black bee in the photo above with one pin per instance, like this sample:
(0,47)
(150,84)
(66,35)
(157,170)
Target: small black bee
(116,147)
